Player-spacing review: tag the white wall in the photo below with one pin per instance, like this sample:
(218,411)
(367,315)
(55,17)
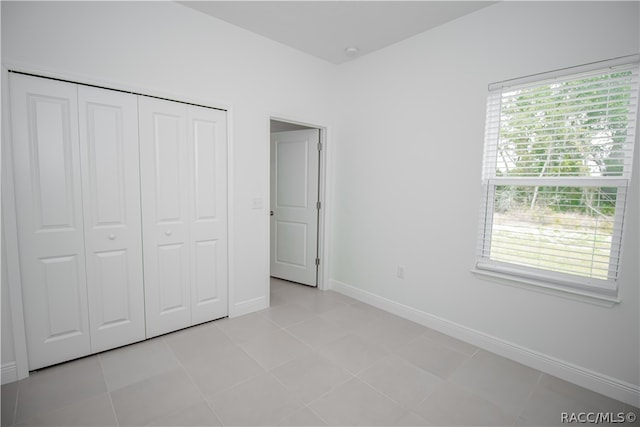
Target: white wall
(408,180)
(166,48)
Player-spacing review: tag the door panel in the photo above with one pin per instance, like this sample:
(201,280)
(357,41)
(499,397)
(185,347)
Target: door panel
(164,184)
(206,265)
(104,146)
(294,193)
(113,240)
(203,135)
(172,269)
(112,283)
(207,136)
(294,251)
(169,167)
(292,172)
(51,155)
(44,123)
(61,280)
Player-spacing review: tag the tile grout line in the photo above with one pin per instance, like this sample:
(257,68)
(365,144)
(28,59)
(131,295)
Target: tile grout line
(272,375)
(391,398)
(104,378)
(67,405)
(237,384)
(288,333)
(450,347)
(372,387)
(526,401)
(186,371)
(15,405)
(325,394)
(355,377)
(499,406)
(429,396)
(295,323)
(326,422)
(443,380)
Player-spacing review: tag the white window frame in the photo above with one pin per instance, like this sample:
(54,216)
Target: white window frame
(549,280)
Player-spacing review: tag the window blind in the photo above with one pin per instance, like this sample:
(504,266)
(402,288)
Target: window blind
(557,164)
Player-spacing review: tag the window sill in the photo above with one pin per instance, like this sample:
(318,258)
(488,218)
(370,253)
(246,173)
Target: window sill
(546,287)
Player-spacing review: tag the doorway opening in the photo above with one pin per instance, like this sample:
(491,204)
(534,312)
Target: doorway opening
(296,202)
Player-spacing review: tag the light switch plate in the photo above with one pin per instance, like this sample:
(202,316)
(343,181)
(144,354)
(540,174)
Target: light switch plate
(257,203)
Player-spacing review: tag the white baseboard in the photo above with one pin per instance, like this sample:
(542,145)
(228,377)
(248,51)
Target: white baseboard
(248,306)
(600,383)
(9,372)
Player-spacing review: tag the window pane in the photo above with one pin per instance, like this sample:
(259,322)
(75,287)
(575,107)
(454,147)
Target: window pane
(568,128)
(556,228)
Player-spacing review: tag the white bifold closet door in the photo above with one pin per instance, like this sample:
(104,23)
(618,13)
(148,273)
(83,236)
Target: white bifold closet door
(48,191)
(111,199)
(183,182)
(78,212)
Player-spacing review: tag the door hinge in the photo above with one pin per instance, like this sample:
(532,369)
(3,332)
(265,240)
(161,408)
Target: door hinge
(319,146)
(317,261)
(318,205)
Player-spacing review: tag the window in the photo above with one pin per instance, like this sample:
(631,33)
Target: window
(557,166)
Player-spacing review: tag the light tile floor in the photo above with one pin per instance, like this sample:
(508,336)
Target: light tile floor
(313,358)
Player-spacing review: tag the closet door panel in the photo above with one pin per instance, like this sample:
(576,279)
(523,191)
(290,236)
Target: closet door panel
(114,308)
(165,194)
(205,268)
(61,278)
(207,136)
(46,161)
(172,270)
(111,188)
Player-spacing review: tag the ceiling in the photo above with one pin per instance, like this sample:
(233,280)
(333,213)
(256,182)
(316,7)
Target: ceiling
(325,29)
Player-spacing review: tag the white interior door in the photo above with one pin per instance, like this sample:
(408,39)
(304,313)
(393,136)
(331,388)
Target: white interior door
(44,123)
(113,235)
(164,184)
(207,137)
(294,197)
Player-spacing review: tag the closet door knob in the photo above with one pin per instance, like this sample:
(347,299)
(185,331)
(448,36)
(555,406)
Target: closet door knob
(168,233)
(112,236)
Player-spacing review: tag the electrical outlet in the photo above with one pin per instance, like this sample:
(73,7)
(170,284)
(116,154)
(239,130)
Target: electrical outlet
(400,272)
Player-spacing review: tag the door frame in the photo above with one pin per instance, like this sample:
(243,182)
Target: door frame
(323,218)
(19,369)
